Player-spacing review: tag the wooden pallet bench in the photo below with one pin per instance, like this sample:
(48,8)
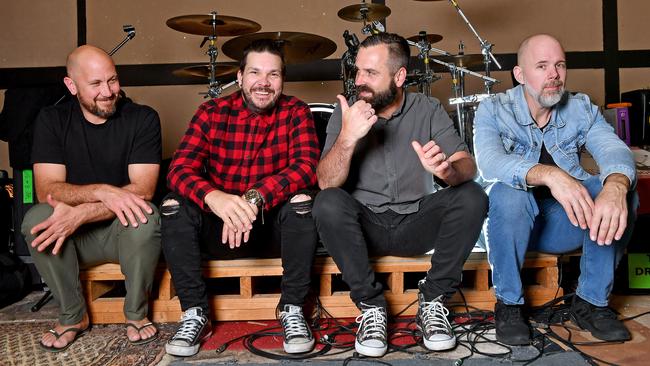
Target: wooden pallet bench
(249,288)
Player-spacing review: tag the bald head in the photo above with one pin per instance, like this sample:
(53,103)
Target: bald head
(534,43)
(84,56)
(93,79)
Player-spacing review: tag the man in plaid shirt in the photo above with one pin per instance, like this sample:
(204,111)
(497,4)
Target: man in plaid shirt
(237,180)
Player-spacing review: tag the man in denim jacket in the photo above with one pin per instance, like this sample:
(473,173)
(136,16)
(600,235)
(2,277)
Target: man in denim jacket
(528,143)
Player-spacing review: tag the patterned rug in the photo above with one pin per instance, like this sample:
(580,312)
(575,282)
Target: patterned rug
(103,345)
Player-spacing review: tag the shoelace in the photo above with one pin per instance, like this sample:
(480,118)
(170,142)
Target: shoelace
(434,317)
(294,324)
(373,323)
(190,327)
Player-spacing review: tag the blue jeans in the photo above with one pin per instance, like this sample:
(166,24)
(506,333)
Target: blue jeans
(517,222)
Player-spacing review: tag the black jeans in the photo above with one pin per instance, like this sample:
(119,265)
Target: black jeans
(190,235)
(448,221)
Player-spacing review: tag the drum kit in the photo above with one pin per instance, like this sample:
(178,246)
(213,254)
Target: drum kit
(301,47)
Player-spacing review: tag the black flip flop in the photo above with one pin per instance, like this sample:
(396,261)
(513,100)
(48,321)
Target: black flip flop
(79,333)
(138,329)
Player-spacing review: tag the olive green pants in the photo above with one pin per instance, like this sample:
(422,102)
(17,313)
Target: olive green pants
(135,249)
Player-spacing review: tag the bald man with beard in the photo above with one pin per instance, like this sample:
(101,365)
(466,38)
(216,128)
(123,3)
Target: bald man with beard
(528,142)
(96,161)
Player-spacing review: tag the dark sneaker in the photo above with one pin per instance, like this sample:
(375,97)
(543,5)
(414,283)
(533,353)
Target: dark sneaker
(512,327)
(432,321)
(371,336)
(601,321)
(194,328)
(297,336)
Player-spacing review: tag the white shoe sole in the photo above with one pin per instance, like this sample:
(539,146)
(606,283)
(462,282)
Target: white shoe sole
(299,347)
(185,351)
(370,351)
(441,345)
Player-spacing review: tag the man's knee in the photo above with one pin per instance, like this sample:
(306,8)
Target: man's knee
(328,203)
(301,204)
(37,214)
(473,198)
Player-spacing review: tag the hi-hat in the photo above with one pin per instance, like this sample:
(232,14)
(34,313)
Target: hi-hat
(431,38)
(201,24)
(364,12)
(462,60)
(204,71)
(298,47)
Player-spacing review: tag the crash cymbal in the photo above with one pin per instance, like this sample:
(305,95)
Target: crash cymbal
(355,13)
(462,60)
(431,38)
(204,71)
(298,47)
(201,24)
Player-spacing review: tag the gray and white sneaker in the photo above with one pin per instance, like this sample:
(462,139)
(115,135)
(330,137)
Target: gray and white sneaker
(431,319)
(297,335)
(195,327)
(372,336)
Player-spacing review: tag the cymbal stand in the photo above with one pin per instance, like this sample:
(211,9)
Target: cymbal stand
(428,77)
(486,47)
(214,87)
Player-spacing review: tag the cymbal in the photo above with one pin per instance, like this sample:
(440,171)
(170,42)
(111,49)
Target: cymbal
(431,38)
(355,13)
(204,71)
(462,60)
(298,47)
(201,24)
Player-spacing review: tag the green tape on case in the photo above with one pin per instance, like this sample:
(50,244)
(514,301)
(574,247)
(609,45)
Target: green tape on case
(28,184)
(638,266)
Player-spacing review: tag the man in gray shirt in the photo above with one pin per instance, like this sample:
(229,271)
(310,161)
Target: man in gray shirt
(378,195)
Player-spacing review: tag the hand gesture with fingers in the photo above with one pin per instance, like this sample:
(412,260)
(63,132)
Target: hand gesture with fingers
(433,159)
(127,206)
(356,119)
(64,221)
(235,212)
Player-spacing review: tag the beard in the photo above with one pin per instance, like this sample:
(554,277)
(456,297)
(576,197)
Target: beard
(548,100)
(379,99)
(95,109)
(261,107)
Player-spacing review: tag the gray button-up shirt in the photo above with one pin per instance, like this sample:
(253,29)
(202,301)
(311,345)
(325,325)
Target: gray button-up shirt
(385,172)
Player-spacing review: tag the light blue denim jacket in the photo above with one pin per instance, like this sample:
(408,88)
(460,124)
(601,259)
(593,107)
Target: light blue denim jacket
(507,141)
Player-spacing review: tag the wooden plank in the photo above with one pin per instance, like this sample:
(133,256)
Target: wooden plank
(246,287)
(325,285)
(396,282)
(481,280)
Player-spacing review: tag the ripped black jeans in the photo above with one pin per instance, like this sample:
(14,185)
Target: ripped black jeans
(190,235)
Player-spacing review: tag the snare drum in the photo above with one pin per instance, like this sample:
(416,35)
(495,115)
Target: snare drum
(321,113)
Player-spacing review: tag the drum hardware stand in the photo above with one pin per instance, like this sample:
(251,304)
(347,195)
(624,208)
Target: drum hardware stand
(428,77)
(486,47)
(130,34)
(214,87)
(348,71)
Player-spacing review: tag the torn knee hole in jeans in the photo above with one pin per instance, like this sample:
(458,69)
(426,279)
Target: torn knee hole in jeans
(301,204)
(170,207)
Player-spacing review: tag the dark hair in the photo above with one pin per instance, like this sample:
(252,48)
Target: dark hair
(263,45)
(398,48)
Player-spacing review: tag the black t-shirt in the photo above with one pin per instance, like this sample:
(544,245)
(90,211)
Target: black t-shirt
(97,153)
(543,192)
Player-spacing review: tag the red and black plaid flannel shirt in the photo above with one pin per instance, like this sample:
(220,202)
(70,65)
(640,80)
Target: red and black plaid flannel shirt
(275,153)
